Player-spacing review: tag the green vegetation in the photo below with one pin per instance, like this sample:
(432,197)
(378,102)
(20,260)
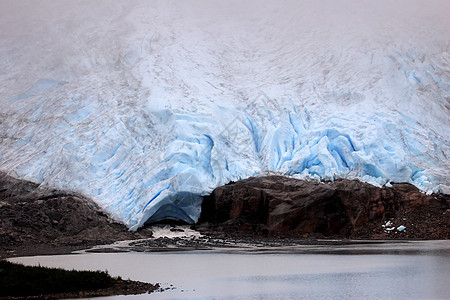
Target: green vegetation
(19,280)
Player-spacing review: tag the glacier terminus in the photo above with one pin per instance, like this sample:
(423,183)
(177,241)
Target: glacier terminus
(146,106)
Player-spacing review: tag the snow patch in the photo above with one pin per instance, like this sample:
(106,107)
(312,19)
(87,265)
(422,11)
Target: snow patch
(388,227)
(172,232)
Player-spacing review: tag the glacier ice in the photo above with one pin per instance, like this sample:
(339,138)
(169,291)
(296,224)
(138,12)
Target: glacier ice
(401,228)
(145,106)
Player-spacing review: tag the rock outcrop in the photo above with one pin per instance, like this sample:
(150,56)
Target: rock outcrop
(276,205)
(36,220)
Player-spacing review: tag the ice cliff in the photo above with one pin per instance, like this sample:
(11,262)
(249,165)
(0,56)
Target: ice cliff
(145,106)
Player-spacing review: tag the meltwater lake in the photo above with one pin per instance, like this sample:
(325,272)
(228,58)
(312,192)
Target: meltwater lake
(368,270)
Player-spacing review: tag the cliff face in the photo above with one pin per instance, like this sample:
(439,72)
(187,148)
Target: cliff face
(278,205)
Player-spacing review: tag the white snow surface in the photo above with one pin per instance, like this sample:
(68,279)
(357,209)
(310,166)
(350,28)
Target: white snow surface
(146,105)
(184,232)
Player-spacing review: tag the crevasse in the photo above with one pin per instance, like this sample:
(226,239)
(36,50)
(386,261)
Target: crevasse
(145,107)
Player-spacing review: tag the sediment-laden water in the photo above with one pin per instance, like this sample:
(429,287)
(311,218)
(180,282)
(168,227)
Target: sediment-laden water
(407,270)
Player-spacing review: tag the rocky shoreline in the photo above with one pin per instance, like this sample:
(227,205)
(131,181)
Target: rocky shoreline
(256,214)
(258,210)
(40,221)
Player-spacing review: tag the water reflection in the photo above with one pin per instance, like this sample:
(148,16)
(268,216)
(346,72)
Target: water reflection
(417,270)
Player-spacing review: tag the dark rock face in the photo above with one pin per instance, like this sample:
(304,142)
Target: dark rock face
(277,205)
(35,220)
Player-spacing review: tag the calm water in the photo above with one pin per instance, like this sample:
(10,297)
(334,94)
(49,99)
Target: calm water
(417,270)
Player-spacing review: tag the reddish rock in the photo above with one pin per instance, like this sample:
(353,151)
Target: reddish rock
(277,205)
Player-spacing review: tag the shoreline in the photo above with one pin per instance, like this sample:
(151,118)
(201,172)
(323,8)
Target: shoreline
(19,280)
(213,244)
(262,211)
(176,280)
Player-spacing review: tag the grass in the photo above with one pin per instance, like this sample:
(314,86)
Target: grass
(20,280)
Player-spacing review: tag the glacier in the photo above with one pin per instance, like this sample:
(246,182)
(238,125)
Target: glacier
(146,106)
